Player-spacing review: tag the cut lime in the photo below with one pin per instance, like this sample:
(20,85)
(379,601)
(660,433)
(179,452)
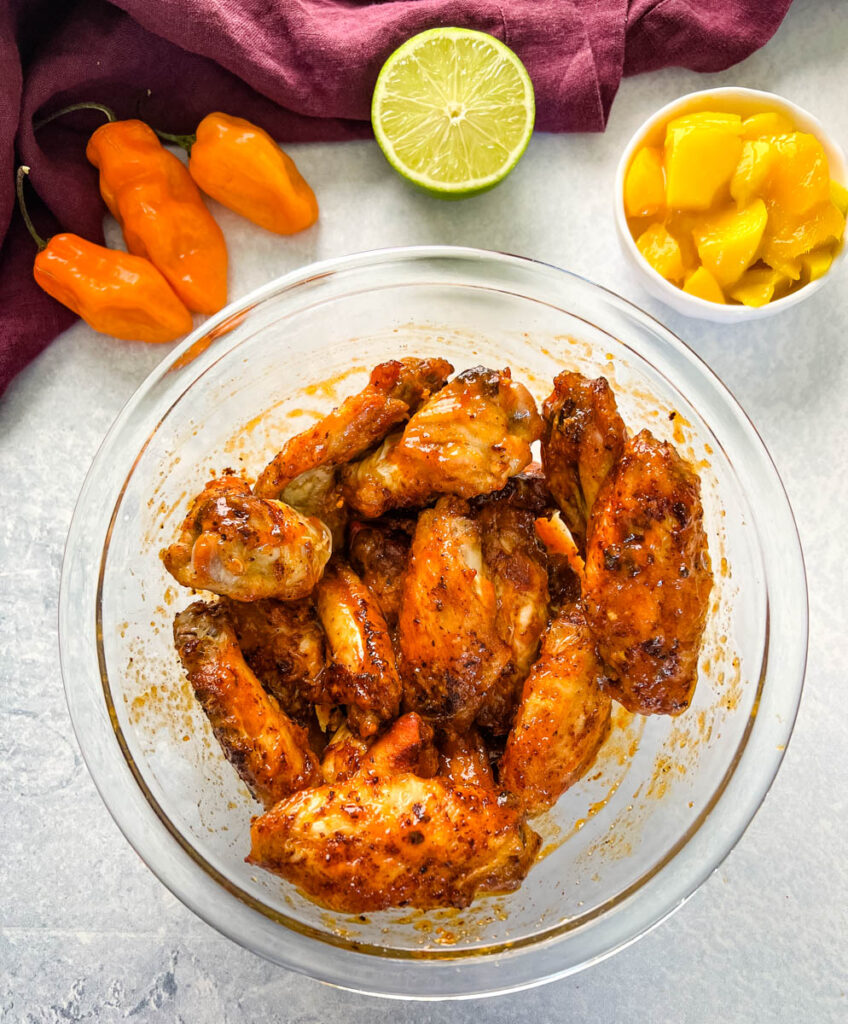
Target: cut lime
(453,111)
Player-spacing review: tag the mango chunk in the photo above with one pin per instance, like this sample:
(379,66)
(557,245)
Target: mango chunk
(757,286)
(800,177)
(770,123)
(752,171)
(789,235)
(662,251)
(644,186)
(702,283)
(839,197)
(816,264)
(728,242)
(700,158)
(789,268)
(712,118)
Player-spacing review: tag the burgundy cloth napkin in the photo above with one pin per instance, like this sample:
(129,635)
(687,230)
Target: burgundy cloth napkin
(304,70)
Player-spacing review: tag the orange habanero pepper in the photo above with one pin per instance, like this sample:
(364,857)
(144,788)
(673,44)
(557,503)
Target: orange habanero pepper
(114,292)
(242,167)
(161,212)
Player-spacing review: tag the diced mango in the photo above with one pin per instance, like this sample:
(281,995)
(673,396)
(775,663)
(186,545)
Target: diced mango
(700,159)
(800,178)
(839,197)
(816,264)
(644,186)
(789,268)
(711,118)
(728,242)
(702,283)
(759,286)
(680,224)
(752,171)
(770,123)
(662,251)
(789,235)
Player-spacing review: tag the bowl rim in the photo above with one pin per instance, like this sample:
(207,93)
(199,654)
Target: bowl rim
(694,305)
(91,723)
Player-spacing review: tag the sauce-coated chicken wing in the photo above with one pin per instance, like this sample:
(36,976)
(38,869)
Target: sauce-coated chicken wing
(379,552)
(388,837)
(583,439)
(562,719)
(647,580)
(268,750)
(516,563)
(283,643)
(394,390)
(247,548)
(363,674)
(468,439)
(451,650)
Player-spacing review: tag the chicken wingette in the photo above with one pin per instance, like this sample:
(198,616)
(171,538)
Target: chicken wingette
(386,837)
(268,750)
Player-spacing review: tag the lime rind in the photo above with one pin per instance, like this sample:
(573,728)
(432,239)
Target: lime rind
(453,111)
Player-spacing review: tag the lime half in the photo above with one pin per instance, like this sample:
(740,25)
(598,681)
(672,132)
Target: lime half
(453,111)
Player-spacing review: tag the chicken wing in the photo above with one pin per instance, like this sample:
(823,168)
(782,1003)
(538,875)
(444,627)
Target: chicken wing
(451,651)
(343,755)
(379,552)
(318,493)
(283,643)
(389,838)
(363,674)
(562,719)
(268,750)
(394,390)
(468,439)
(516,562)
(247,548)
(648,579)
(583,439)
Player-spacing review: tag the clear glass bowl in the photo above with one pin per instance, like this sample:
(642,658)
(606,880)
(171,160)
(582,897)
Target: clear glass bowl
(667,799)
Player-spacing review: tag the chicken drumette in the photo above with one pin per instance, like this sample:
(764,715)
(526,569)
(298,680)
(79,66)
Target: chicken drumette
(247,548)
(388,837)
(268,750)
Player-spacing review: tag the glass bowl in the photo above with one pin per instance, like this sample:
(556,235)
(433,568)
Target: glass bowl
(667,798)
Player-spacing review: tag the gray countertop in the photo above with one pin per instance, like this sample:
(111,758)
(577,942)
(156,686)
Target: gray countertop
(88,933)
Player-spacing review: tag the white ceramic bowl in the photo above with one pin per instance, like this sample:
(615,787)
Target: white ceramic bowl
(734,100)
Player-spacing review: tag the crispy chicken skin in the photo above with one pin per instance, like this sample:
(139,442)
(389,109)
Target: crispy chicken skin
(648,580)
(562,719)
(583,439)
(343,755)
(394,390)
(283,643)
(516,563)
(388,837)
(318,492)
(247,548)
(468,439)
(268,750)
(451,650)
(363,674)
(379,552)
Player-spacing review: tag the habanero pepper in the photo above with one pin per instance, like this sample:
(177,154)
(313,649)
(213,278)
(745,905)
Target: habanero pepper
(161,212)
(114,292)
(244,169)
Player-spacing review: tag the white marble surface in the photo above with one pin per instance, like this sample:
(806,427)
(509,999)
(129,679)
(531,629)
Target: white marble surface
(89,934)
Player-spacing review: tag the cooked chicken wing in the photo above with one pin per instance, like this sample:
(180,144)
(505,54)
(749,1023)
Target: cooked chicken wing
(283,643)
(395,390)
(583,439)
(247,548)
(318,493)
(464,760)
(468,439)
(562,719)
(451,651)
(648,579)
(516,562)
(267,749)
(389,838)
(343,755)
(363,674)
(379,552)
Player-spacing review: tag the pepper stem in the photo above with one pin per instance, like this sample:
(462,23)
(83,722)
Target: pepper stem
(19,188)
(185,141)
(110,114)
